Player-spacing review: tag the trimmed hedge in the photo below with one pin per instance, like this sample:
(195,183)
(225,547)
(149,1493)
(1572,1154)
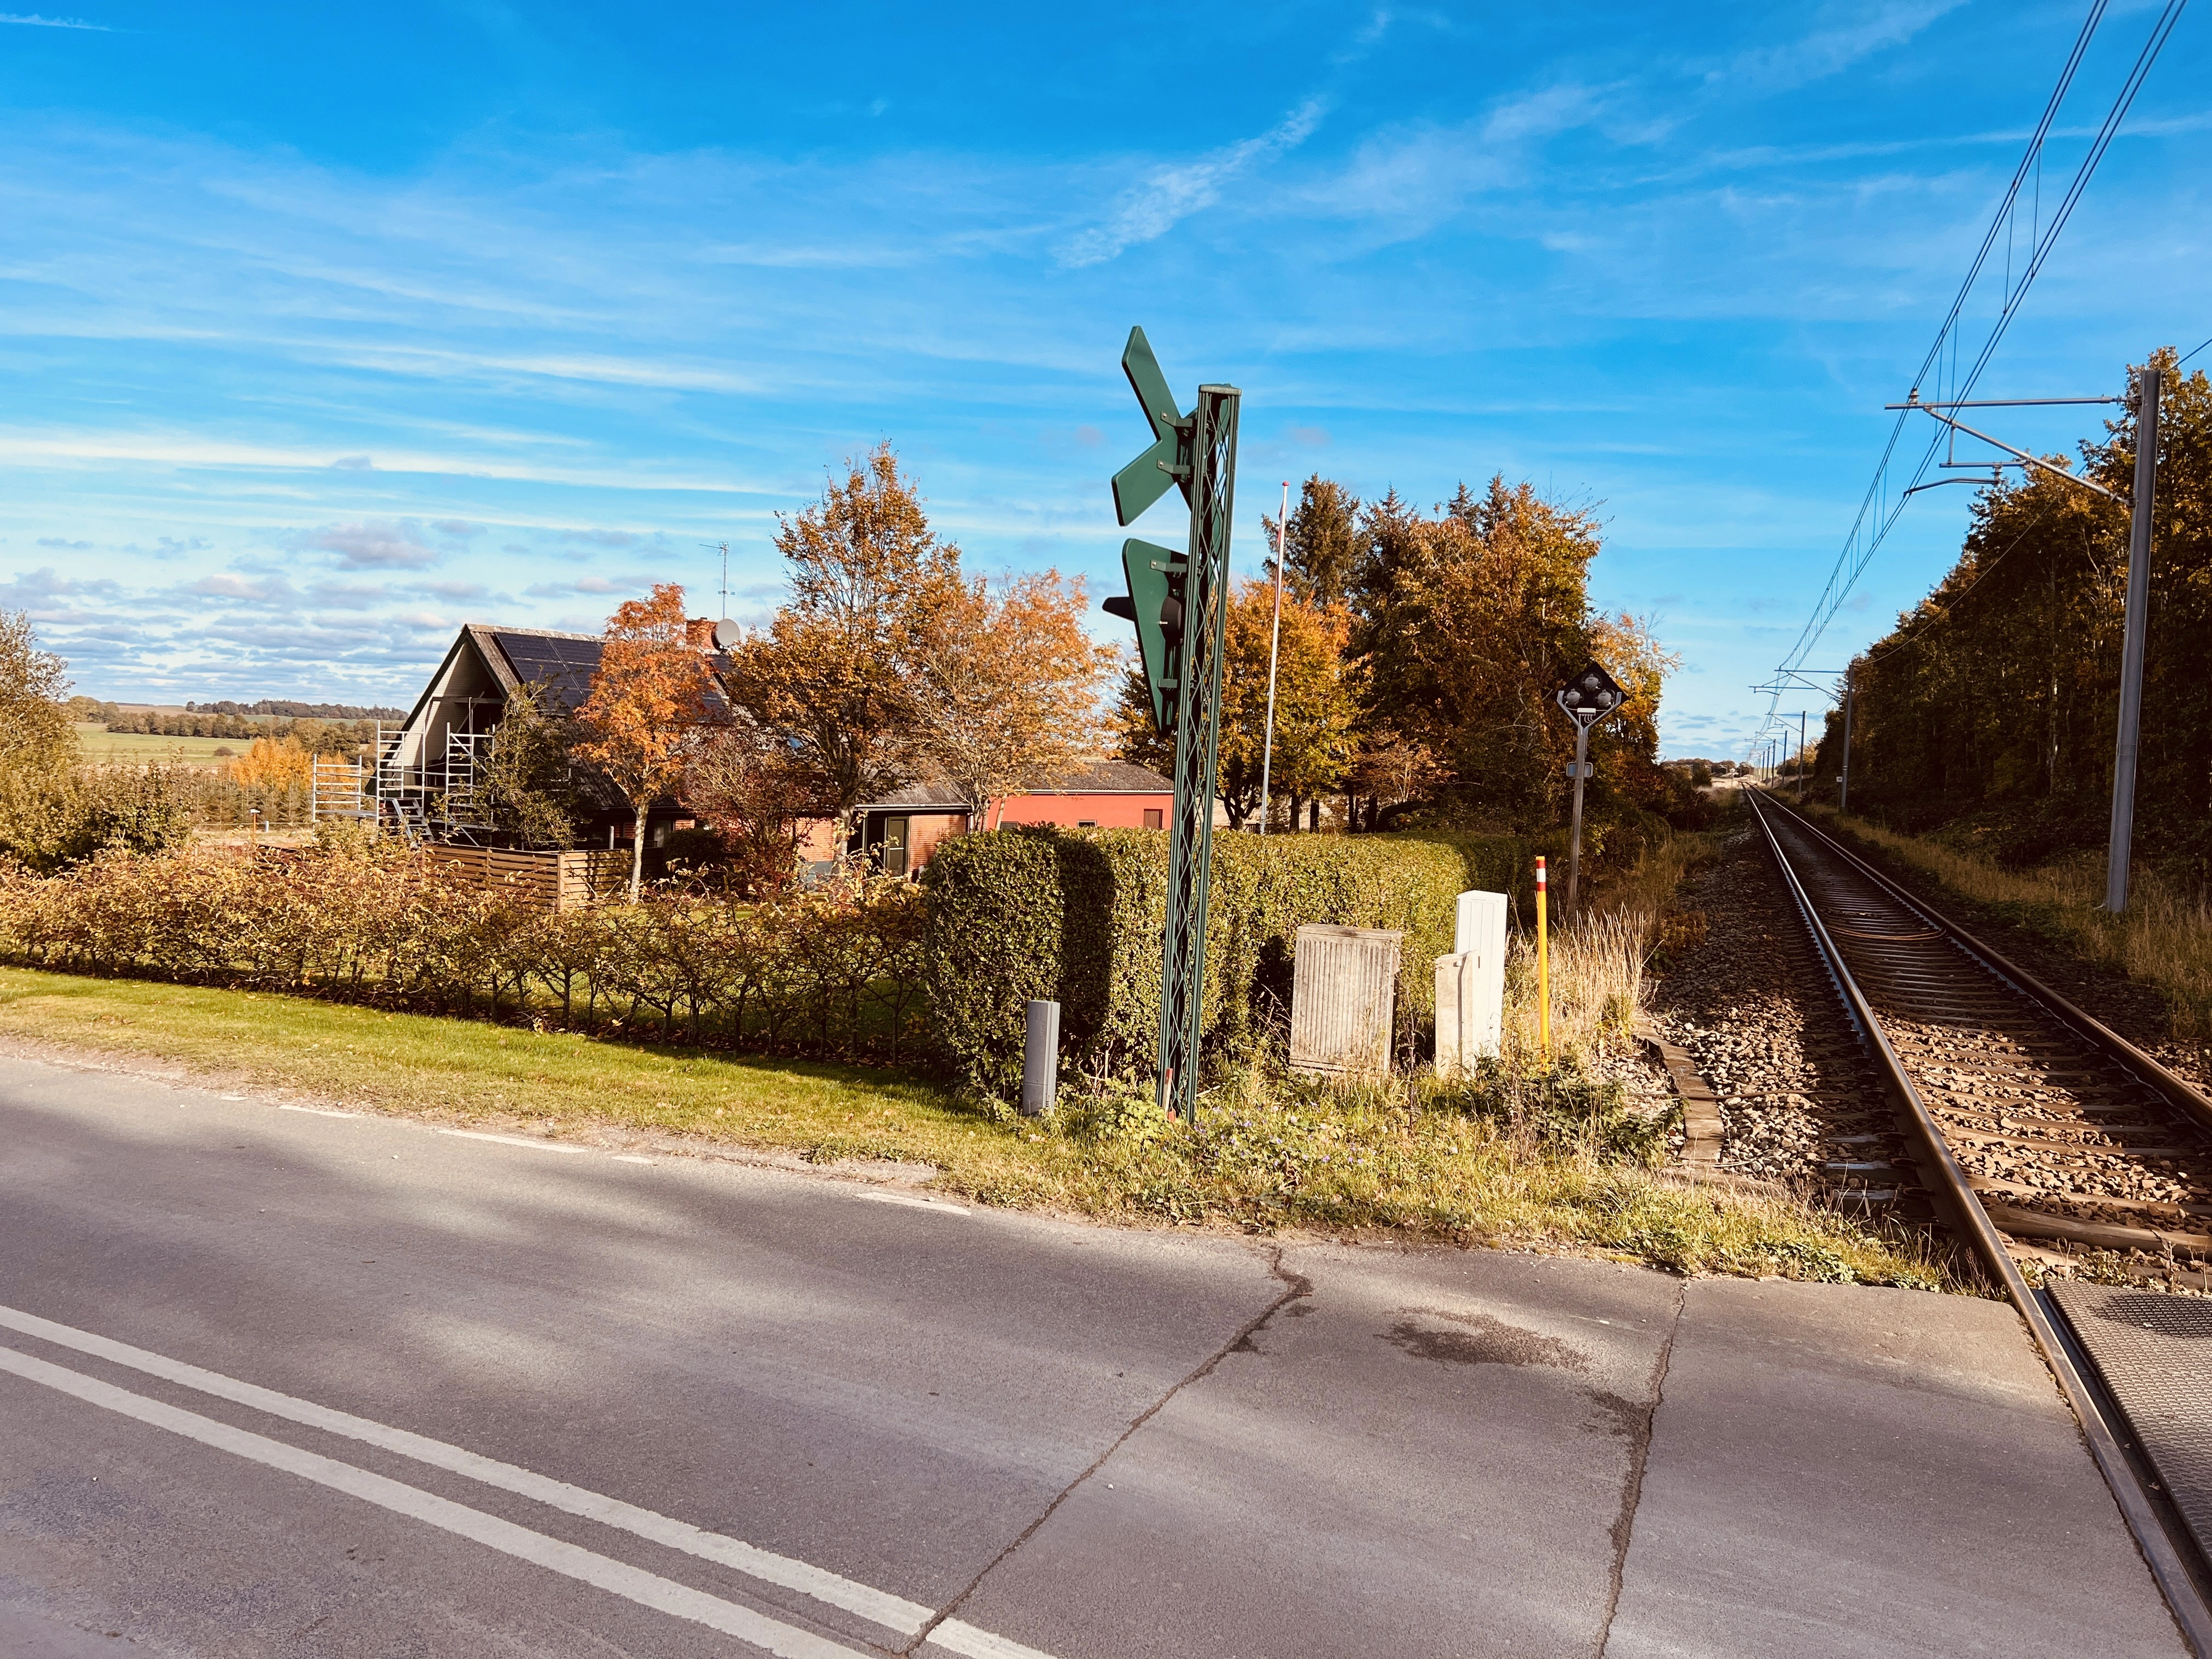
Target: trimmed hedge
(1076,915)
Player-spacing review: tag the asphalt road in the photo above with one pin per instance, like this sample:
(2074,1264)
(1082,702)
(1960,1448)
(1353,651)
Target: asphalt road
(274,1382)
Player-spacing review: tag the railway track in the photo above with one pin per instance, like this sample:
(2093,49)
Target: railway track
(2033,1133)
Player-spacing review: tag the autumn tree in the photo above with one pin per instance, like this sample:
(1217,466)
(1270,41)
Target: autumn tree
(37,739)
(1315,705)
(1005,686)
(831,676)
(647,707)
(1469,621)
(38,742)
(756,797)
(273,764)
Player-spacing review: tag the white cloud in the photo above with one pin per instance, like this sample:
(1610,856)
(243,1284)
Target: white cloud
(1169,195)
(372,546)
(31,19)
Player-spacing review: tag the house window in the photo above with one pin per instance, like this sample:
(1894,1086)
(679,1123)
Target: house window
(895,846)
(1153,818)
(1086,823)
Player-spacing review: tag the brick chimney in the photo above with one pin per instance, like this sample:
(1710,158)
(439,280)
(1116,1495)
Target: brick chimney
(699,633)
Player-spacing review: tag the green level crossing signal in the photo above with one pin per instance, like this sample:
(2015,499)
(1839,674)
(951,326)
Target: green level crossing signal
(1180,604)
(1145,479)
(1154,604)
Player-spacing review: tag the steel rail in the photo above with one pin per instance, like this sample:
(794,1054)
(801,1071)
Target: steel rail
(2167,1549)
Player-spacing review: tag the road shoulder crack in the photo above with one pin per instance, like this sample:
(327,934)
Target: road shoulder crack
(1296,1287)
(1631,1490)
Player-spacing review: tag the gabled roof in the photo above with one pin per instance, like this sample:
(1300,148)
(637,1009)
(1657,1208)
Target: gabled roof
(562,664)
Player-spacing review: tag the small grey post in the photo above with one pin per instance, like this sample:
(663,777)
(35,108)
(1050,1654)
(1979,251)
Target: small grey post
(2131,651)
(1574,846)
(1039,1058)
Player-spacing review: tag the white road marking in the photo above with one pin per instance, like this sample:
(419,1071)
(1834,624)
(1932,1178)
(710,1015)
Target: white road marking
(894,1611)
(630,1158)
(514,1140)
(319,1111)
(604,1572)
(961,1636)
(914,1203)
(233,1097)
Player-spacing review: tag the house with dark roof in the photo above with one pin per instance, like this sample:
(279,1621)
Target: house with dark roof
(430,771)
(900,831)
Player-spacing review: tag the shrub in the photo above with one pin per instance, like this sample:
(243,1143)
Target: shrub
(832,971)
(1078,916)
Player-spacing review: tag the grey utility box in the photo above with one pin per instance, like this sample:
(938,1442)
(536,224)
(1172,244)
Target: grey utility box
(1471,986)
(1342,998)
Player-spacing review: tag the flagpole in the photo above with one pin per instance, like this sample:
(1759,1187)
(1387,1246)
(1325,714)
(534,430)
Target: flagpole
(1274,640)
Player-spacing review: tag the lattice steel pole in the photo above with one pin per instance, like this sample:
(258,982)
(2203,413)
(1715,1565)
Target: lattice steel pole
(1198,740)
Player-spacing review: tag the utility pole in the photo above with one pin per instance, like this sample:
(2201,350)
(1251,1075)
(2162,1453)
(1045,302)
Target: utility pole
(2136,626)
(1275,643)
(2136,622)
(1844,788)
(1801,757)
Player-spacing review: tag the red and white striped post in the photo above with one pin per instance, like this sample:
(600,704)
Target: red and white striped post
(1543,967)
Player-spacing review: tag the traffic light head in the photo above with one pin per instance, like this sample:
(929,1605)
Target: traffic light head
(1591,695)
(1154,604)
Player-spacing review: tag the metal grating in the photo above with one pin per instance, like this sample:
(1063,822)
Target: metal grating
(2154,1352)
(1344,984)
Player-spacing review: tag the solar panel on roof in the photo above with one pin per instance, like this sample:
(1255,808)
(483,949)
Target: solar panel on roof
(564,667)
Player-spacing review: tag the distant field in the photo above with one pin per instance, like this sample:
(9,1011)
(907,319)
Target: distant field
(102,746)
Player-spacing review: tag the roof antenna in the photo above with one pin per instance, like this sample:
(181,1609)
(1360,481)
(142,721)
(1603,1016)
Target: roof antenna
(723,549)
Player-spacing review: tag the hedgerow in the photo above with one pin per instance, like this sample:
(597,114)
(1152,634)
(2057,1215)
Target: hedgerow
(1077,916)
(833,971)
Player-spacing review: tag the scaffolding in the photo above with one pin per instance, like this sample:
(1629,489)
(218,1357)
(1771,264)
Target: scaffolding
(439,796)
(335,789)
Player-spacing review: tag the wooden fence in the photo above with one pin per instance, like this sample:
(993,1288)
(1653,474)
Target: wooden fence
(558,881)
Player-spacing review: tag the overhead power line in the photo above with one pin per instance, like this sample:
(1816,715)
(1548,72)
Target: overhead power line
(1940,373)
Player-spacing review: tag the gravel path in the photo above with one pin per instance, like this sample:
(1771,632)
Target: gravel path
(1754,1006)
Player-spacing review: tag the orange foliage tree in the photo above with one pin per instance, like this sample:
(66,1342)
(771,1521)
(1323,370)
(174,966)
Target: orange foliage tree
(1005,687)
(278,764)
(647,708)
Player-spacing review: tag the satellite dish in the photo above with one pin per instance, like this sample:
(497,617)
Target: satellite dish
(726,634)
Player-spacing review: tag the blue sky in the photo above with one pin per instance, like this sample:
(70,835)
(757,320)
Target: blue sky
(323,330)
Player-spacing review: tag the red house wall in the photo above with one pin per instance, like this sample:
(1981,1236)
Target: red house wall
(1107,812)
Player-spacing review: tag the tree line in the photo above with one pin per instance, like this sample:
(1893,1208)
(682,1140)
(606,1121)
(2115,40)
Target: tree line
(1419,655)
(1996,699)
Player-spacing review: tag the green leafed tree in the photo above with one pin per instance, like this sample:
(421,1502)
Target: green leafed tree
(530,786)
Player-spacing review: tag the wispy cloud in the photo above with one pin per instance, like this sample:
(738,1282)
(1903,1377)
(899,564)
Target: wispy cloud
(1169,195)
(1830,51)
(31,19)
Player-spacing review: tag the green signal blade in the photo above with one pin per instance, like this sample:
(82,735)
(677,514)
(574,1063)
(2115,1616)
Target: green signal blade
(1145,479)
(1150,384)
(1150,569)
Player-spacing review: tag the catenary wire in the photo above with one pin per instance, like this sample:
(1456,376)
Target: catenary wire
(1882,509)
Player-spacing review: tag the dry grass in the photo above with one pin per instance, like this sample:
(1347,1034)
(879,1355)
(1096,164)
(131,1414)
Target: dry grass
(1521,1158)
(2163,939)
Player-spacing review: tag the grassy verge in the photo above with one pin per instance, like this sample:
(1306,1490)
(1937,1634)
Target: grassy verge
(2163,940)
(1518,1159)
